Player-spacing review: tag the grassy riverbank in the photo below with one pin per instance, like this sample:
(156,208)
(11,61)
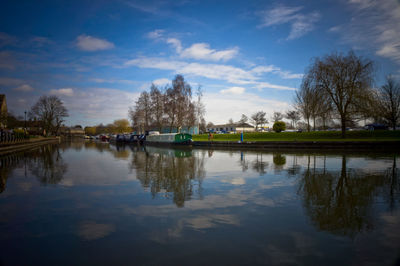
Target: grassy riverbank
(362,135)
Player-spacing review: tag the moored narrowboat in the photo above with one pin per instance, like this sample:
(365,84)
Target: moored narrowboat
(172,138)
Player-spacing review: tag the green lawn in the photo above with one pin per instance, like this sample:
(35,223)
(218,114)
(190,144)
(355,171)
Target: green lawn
(362,135)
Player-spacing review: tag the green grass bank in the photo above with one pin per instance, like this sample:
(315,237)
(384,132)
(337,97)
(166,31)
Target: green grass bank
(362,135)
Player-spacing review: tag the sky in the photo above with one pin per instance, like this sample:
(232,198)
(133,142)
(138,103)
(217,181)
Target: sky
(247,56)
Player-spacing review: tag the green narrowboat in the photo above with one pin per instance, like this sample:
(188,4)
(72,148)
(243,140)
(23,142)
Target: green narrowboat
(172,138)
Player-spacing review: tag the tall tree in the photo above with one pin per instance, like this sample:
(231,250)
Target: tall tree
(50,111)
(293,116)
(389,101)
(305,99)
(200,108)
(258,118)
(243,119)
(277,116)
(121,126)
(344,79)
(157,105)
(184,95)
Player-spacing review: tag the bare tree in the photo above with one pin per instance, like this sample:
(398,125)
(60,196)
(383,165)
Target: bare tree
(304,100)
(231,121)
(277,116)
(172,107)
(344,79)
(141,114)
(293,116)
(50,111)
(258,118)
(389,101)
(200,108)
(243,119)
(157,105)
(184,96)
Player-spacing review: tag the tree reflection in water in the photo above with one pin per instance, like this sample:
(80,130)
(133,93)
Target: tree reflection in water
(171,171)
(7,164)
(341,201)
(47,164)
(259,165)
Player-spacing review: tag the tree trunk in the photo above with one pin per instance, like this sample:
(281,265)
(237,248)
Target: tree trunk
(343,121)
(314,122)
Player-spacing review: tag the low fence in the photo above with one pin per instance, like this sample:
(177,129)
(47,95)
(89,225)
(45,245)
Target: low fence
(7,137)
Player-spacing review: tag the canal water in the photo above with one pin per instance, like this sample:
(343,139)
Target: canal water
(82,203)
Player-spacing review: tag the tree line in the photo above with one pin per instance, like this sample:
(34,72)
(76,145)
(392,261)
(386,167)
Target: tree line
(118,126)
(171,107)
(340,86)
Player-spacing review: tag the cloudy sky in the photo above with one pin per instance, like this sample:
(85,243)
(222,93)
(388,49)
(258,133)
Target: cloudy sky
(97,56)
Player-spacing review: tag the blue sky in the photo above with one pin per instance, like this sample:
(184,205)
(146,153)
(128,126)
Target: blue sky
(97,56)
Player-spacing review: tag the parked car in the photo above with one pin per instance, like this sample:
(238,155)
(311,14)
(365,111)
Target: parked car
(376,127)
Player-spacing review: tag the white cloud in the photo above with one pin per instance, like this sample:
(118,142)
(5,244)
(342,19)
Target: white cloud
(24,88)
(154,62)
(264,69)
(220,109)
(155,35)
(259,70)
(176,44)
(161,82)
(62,92)
(91,44)
(233,90)
(202,51)
(98,105)
(300,23)
(279,15)
(231,74)
(198,51)
(267,85)
(112,80)
(374,25)
(90,230)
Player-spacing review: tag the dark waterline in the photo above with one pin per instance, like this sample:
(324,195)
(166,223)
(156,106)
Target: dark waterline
(83,203)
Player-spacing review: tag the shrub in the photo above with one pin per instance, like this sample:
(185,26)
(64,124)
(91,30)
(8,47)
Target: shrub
(279,126)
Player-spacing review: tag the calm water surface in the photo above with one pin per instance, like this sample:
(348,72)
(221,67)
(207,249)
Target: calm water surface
(86,203)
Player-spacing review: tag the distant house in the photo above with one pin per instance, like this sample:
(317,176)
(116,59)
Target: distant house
(72,131)
(3,111)
(236,127)
(165,129)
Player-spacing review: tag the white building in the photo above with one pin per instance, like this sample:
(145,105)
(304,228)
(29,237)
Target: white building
(243,127)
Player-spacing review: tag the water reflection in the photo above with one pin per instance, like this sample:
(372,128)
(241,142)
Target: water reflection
(341,201)
(45,163)
(170,171)
(7,164)
(173,206)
